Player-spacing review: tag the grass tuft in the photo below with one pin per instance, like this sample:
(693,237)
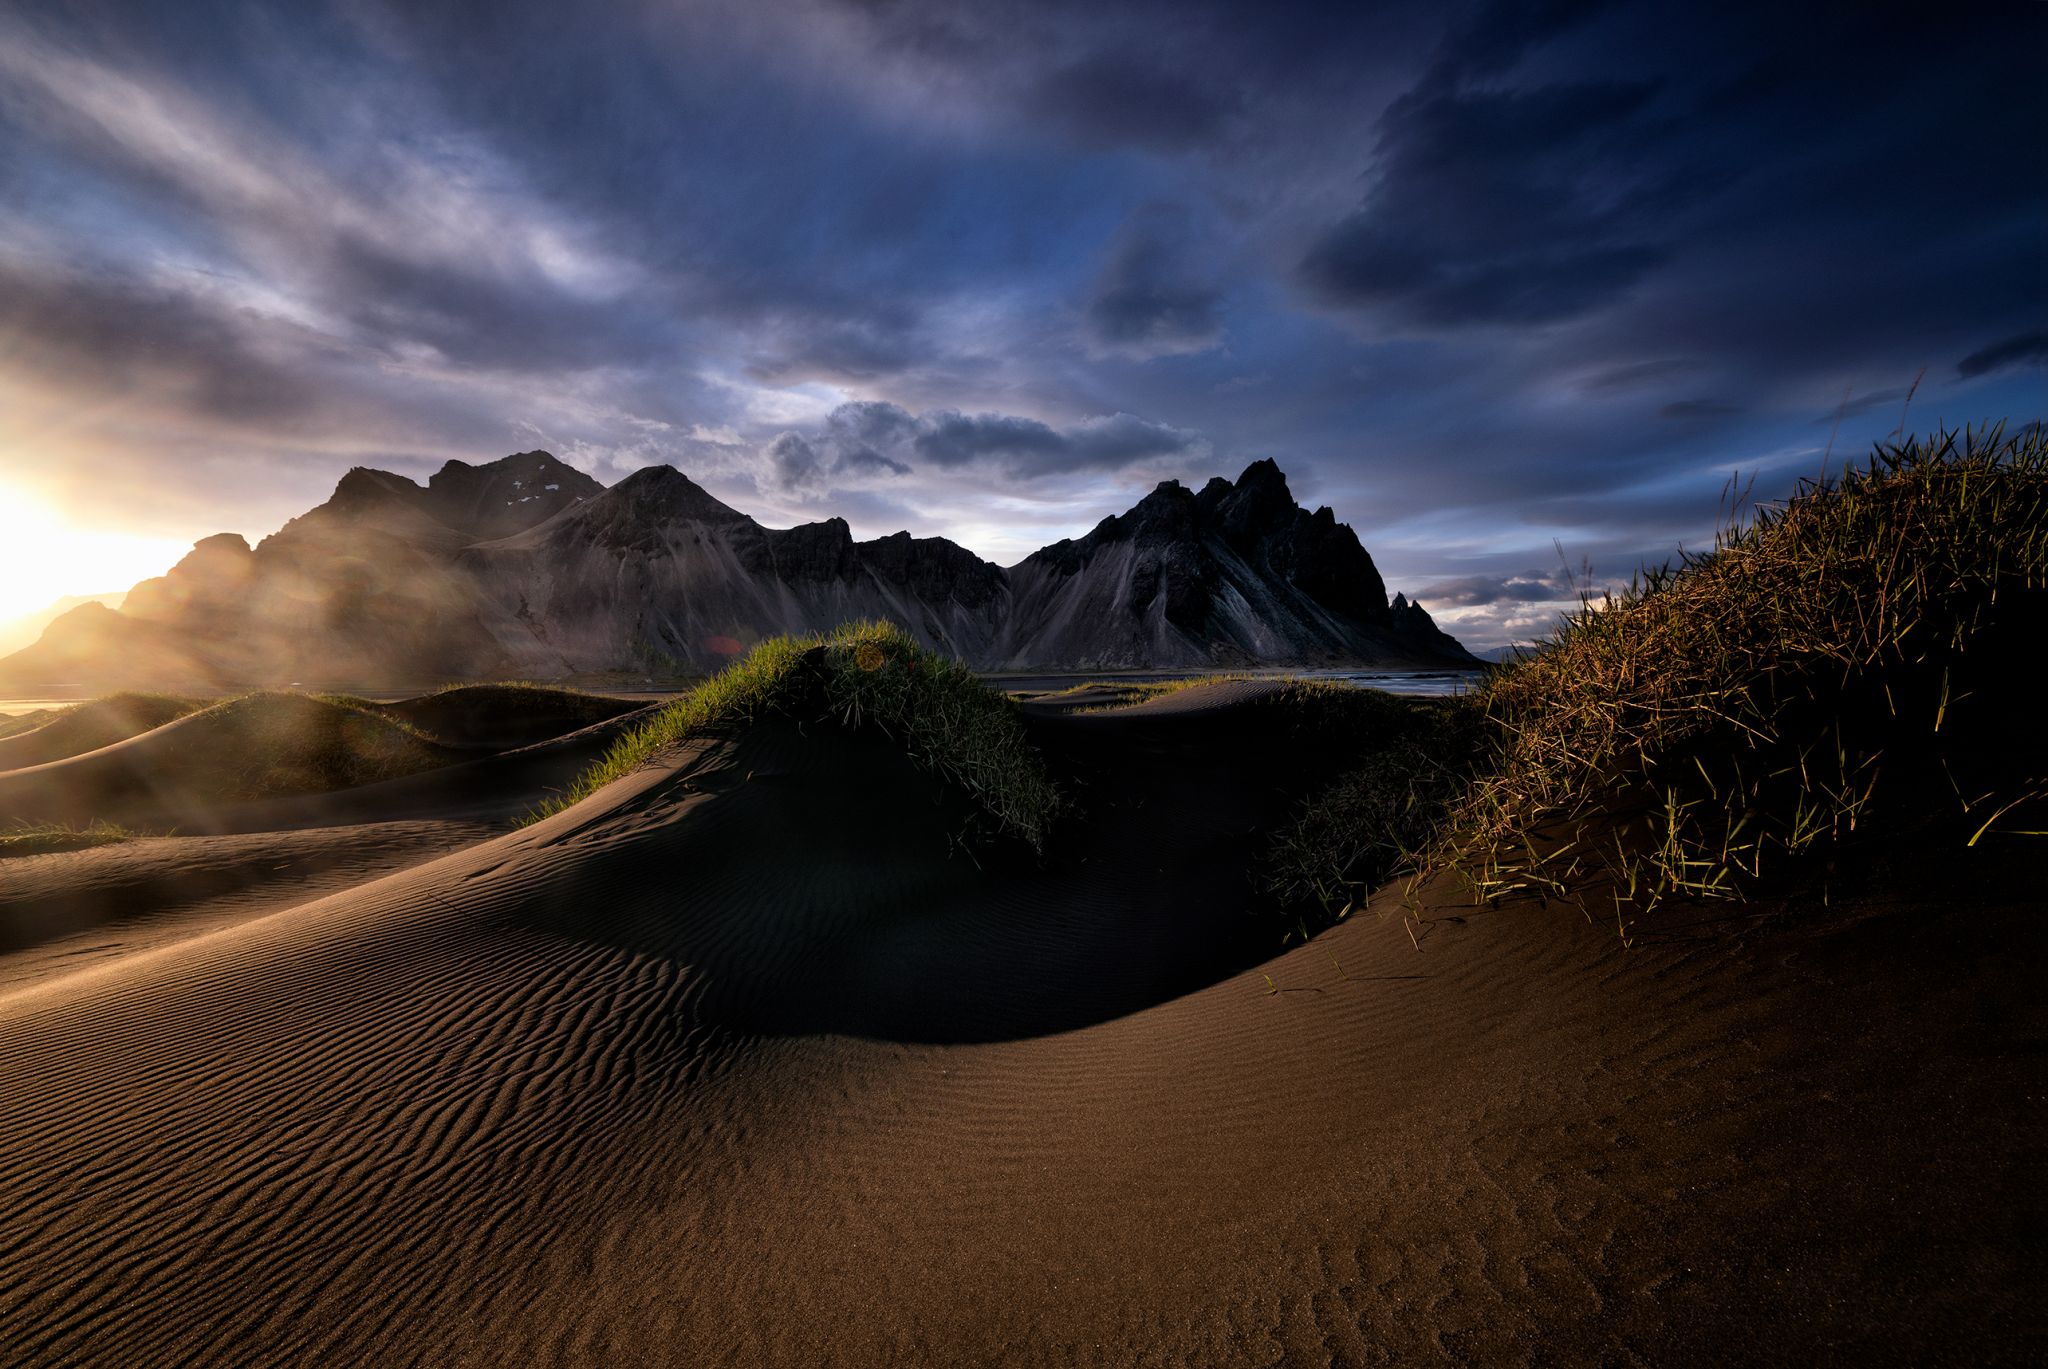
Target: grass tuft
(1409,762)
(863,675)
(34,839)
(1756,702)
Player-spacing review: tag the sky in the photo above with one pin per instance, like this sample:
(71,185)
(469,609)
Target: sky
(1522,291)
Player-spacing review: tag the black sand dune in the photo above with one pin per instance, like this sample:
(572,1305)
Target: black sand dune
(494,787)
(90,726)
(80,907)
(827,888)
(734,1063)
(503,717)
(256,746)
(271,760)
(15,725)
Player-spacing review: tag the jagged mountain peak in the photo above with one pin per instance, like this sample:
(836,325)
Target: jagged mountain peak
(641,513)
(481,502)
(506,496)
(519,465)
(1237,573)
(668,490)
(1265,475)
(1167,513)
(480,573)
(231,544)
(213,576)
(364,488)
(1259,504)
(1414,622)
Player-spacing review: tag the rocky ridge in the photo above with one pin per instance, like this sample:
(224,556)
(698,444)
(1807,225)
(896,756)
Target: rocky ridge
(527,567)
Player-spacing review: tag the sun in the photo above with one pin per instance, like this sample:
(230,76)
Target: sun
(44,557)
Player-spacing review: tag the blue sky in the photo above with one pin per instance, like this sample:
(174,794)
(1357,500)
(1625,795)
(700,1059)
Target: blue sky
(1490,279)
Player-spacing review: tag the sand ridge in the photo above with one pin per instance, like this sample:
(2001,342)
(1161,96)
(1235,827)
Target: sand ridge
(328,764)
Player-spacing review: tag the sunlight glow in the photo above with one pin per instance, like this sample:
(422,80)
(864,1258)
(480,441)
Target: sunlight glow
(43,557)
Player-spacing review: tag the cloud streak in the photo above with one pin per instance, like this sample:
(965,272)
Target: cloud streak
(2021,349)
(877,439)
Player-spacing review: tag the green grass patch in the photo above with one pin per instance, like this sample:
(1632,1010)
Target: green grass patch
(35,839)
(862,675)
(1856,646)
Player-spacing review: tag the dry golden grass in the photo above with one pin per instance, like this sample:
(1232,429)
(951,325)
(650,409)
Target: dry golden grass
(1747,705)
(40,838)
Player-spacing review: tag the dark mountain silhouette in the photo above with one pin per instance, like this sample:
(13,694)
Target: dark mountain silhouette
(1235,574)
(527,567)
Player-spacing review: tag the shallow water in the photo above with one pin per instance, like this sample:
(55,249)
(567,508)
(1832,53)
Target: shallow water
(1423,682)
(1431,682)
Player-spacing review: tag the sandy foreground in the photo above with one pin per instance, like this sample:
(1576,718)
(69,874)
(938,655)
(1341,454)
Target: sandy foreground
(742,1062)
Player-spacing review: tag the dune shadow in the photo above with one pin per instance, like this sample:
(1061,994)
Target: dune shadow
(816,881)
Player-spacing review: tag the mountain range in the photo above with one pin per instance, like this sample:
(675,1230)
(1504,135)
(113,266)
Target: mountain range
(528,567)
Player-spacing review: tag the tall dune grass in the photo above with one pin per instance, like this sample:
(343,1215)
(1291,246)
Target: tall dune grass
(1752,703)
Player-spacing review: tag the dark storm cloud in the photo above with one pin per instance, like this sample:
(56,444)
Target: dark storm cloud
(861,436)
(850,445)
(1794,256)
(1118,97)
(1493,207)
(1496,35)
(870,425)
(2021,349)
(503,322)
(794,463)
(874,438)
(840,349)
(1473,591)
(948,438)
(1151,299)
(868,461)
(1029,447)
(152,344)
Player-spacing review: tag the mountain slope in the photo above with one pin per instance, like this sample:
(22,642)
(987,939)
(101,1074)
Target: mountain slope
(16,633)
(656,573)
(527,567)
